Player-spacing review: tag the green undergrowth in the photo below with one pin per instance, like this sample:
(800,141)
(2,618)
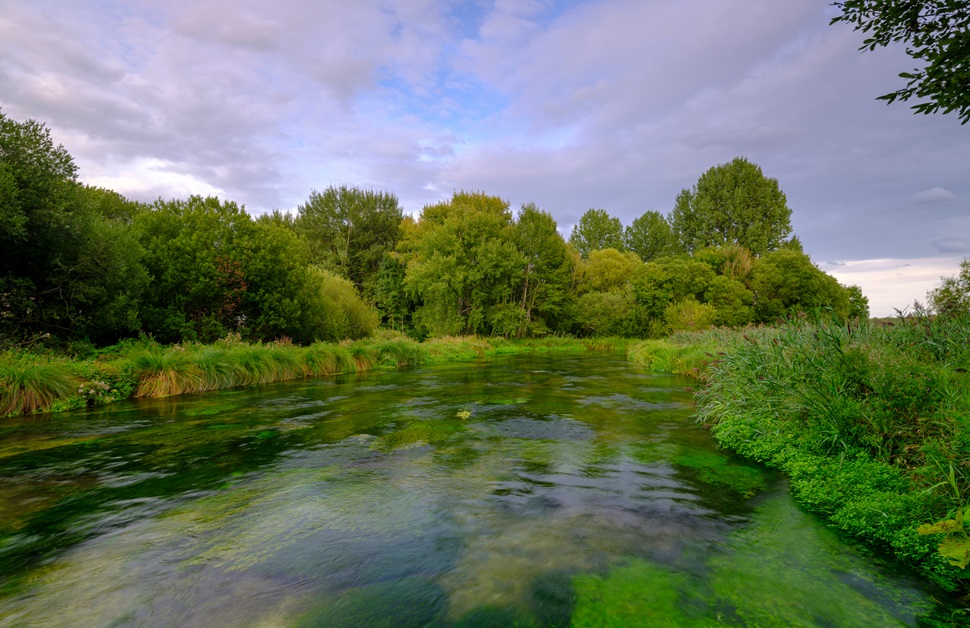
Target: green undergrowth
(871,422)
(143,368)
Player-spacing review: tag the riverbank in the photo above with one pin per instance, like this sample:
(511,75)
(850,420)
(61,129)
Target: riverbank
(143,368)
(872,424)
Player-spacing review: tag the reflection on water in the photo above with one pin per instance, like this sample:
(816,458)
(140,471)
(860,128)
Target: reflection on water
(522,491)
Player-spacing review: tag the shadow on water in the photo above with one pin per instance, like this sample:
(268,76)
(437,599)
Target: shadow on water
(550,491)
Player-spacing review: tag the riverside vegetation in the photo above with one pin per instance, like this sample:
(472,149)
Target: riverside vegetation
(870,421)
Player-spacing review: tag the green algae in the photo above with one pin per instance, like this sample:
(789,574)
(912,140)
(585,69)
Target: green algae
(805,576)
(405,603)
(636,594)
(720,471)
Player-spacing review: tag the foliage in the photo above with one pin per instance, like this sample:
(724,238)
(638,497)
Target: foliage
(731,300)
(689,315)
(650,237)
(335,310)
(461,263)
(607,313)
(668,281)
(596,230)
(936,34)
(867,421)
(732,203)
(952,296)
(68,266)
(349,231)
(608,269)
(546,301)
(786,282)
(214,270)
(395,302)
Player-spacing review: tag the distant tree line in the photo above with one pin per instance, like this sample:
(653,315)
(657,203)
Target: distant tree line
(84,264)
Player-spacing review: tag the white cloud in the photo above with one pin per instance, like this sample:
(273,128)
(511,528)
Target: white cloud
(894,284)
(933,196)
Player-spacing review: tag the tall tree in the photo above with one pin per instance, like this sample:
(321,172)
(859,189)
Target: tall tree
(463,265)
(349,230)
(68,267)
(936,34)
(596,230)
(650,236)
(732,203)
(547,272)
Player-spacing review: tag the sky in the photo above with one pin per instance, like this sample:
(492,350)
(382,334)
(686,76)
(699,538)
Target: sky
(570,104)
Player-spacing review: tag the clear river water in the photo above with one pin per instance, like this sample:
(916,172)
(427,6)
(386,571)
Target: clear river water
(541,490)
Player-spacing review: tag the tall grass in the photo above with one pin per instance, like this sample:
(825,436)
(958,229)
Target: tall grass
(28,386)
(164,372)
(681,359)
(872,423)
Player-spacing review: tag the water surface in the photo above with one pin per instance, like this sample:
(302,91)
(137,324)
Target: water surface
(538,490)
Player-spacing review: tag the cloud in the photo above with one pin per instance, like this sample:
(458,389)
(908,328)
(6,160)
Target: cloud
(617,104)
(952,245)
(933,196)
(894,284)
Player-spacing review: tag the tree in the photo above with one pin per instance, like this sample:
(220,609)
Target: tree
(215,270)
(786,282)
(609,269)
(952,297)
(69,267)
(732,203)
(936,34)
(349,231)
(650,237)
(546,275)
(462,264)
(596,230)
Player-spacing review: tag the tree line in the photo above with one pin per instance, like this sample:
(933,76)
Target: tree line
(82,263)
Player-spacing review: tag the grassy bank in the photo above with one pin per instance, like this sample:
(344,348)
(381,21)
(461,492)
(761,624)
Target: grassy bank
(43,383)
(872,424)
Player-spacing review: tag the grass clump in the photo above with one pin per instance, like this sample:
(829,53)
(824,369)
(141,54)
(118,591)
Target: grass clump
(28,386)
